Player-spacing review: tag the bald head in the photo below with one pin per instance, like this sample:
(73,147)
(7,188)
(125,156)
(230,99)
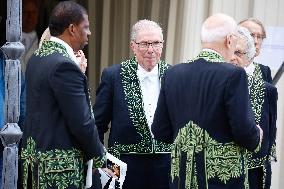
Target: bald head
(217,27)
(219,33)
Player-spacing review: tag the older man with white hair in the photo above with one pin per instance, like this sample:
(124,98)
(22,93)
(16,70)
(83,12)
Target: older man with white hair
(257,31)
(127,97)
(204,110)
(263,97)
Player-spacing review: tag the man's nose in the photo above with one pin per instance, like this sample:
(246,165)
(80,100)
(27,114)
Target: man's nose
(150,48)
(89,32)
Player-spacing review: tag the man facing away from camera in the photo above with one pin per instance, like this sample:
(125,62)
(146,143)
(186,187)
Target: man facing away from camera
(204,110)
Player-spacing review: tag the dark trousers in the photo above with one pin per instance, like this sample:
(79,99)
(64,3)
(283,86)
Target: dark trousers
(147,171)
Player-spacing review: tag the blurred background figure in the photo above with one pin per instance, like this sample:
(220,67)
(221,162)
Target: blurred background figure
(29,37)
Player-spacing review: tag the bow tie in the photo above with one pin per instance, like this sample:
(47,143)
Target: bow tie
(148,75)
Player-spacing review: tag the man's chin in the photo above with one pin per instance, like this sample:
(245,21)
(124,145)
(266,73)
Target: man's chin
(83,46)
(257,51)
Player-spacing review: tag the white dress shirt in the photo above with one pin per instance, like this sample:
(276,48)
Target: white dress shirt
(67,47)
(250,69)
(150,87)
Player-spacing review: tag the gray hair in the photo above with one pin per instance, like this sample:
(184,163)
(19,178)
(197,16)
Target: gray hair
(216,27)
(256,21)
(250,48)
(144,25)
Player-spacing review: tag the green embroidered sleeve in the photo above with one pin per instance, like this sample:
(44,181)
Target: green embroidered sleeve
(99,162)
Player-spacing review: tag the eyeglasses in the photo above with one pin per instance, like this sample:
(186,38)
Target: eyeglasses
(258,36)
(157,45)
(239,53)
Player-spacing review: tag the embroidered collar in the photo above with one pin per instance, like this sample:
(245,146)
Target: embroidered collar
(50,47)
(256,92)
(209,55)
(67,47)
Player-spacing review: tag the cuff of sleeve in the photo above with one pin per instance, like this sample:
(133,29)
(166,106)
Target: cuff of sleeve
(272,154)
(100,162)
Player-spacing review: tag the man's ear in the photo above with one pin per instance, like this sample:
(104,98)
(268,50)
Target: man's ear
(71,29)
(132,45)
(228,41)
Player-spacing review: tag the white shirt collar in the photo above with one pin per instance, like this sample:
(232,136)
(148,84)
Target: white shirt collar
(142,73)
(250,69)
(68,48)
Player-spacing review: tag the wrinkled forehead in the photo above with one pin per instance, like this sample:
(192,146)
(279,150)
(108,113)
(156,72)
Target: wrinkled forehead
(253,27)
(149,35)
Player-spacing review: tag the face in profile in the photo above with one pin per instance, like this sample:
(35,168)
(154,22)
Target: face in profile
(81,34)
(256,33)
(239,57)
(148,48)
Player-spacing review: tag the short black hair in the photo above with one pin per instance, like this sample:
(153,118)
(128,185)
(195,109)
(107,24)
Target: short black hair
(64,14)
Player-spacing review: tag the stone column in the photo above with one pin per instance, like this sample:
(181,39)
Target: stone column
(11,132)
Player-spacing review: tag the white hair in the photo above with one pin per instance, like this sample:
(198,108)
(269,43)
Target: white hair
(145,25)
(250,47)
(217,27)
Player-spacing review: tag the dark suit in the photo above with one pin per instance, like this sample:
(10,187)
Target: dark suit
(266,73)
(59,132)
(263,97)
(119,101)
(204,109)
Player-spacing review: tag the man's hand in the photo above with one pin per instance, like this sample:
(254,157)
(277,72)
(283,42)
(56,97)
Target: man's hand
(108,171)
(82,60)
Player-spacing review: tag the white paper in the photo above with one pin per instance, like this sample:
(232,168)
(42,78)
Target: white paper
(89,176)
(105,177)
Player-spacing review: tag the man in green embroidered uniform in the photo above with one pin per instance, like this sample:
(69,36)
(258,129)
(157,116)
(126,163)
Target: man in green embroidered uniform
(263,97)
(127,97)
(258,33)
(59,133)
(204,110)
